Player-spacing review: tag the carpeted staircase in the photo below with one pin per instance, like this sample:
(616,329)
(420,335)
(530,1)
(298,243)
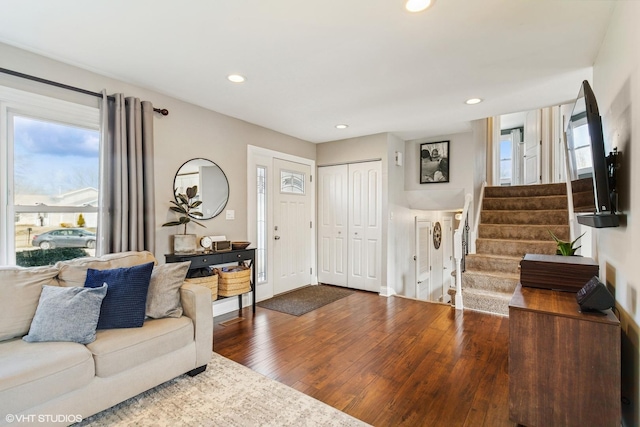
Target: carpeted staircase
(514,221)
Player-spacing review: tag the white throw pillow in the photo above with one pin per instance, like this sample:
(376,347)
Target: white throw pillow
(163,299)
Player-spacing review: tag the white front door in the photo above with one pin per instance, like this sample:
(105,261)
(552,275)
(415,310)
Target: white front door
(365,228)
(423,258)
(332,224)
(292,226)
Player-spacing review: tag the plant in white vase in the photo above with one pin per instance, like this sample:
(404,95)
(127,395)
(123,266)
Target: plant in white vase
(185,206)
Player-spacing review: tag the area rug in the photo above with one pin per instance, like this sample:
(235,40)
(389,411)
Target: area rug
(226,394)
(306,299)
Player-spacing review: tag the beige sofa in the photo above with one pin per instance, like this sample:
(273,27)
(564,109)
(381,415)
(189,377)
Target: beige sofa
(61,382)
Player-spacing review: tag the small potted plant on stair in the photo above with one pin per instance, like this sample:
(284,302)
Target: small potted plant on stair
(566,248)
(185,206)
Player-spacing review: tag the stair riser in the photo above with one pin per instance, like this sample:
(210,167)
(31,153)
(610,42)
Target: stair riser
(513,248)
(525,217)
(525,203)
(584,201)
(483,303)
(526,190)
(471,280)
(502,265)
(514,232)
(583,184)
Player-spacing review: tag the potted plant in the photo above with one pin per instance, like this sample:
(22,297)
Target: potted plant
(565,248)
(184,206)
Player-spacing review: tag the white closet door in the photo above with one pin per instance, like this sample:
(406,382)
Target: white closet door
(365,228)
(332,224)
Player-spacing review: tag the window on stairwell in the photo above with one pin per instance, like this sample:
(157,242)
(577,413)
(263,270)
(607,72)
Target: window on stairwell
(581,147)
(505,160)
(510,142)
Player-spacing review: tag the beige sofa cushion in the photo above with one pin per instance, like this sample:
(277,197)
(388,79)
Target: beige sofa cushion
(20,290)
(74,272)
(33,373)
(116,350)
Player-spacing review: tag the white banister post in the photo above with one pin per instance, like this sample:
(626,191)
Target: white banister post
(459,305)
(457,253)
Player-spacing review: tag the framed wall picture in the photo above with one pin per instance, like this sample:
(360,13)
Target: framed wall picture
(434,162)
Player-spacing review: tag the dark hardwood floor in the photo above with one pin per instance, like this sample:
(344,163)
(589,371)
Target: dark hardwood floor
(387,361)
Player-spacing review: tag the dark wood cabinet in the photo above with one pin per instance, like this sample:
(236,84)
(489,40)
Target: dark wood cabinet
(207,259)
(564,365)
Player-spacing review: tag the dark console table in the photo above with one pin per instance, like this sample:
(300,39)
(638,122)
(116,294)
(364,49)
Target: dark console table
(207,259)
(564,365)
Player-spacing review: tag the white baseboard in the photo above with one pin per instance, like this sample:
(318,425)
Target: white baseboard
(230,304)
(387,291)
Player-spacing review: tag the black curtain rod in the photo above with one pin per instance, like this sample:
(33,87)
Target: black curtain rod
(162,111)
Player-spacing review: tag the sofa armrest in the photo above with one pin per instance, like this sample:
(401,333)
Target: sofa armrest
(196,304)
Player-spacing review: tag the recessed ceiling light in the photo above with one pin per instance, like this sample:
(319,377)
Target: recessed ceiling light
(473,101)
(236,78)
(342,126)
(417,5)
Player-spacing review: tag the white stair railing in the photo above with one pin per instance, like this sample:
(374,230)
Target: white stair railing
(461,249)
(476,222)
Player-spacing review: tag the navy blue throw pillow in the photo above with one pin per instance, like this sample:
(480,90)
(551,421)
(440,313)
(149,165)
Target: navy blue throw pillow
(125,303)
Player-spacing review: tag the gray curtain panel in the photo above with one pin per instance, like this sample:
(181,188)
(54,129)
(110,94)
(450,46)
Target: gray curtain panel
(126,221)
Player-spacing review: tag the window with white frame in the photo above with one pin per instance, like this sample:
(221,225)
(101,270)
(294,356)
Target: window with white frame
(261,226)
(582,148)
(49,185)
(291,182)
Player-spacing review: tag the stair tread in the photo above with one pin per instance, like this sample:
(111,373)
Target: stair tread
(495,273)
(495,256)
(502,224)
(487,293)
(491,239)
(524,210)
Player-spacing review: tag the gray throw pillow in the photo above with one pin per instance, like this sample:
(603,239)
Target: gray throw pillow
(67,314)
(163,298)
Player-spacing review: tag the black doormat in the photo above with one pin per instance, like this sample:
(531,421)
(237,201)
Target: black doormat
(305,299)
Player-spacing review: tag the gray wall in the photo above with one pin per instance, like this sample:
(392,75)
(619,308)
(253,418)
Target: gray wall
(187,132)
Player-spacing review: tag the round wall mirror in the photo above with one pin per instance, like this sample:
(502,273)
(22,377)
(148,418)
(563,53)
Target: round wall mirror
(213,186)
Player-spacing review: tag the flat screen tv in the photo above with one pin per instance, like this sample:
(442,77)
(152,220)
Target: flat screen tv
(591,171)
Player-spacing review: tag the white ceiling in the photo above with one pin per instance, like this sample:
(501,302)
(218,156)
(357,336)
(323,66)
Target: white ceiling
(316,63)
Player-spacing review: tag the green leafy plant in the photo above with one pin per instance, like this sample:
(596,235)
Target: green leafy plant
(38,257)
(565,248)
(81,221)
(185,205)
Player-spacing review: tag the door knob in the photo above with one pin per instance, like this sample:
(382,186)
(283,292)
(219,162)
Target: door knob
(277,237)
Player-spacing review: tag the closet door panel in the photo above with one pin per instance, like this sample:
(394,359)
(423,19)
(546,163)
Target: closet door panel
(333,224)
(365,231)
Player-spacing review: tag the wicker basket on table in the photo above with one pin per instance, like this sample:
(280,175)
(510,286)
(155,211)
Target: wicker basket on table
(234,280)
(210,282)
